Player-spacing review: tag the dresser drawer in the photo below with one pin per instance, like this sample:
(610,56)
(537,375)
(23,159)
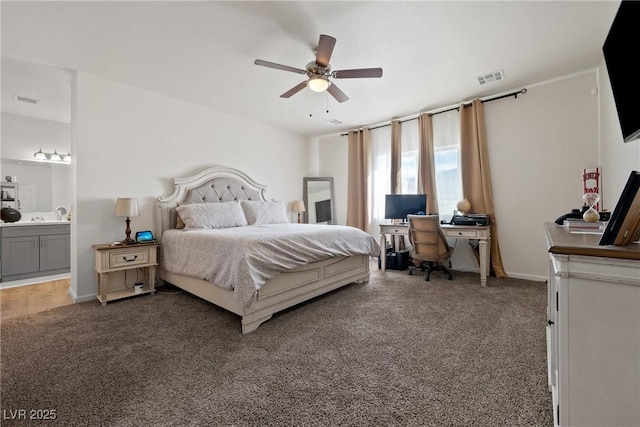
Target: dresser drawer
(121,258)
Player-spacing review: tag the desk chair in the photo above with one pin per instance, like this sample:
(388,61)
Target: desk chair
(429,244)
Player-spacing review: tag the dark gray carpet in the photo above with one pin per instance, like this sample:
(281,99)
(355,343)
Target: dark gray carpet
(396,351)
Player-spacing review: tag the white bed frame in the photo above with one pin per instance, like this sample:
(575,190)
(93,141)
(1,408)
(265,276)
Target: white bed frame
(220,184)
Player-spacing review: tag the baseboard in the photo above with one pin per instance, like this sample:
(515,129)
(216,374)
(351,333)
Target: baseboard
(532,277)
(76,299)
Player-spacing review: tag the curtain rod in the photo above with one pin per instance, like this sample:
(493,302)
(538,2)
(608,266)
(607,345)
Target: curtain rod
(464,104)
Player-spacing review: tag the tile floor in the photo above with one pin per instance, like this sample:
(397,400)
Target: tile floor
(29,299)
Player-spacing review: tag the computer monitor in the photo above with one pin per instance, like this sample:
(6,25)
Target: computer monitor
(398,206)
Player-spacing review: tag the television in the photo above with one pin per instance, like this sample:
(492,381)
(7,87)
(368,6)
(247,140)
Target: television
(398,206)
(620,51)
(323,211)
(624,224)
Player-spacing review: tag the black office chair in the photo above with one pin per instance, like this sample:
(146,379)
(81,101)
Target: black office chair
(429,244)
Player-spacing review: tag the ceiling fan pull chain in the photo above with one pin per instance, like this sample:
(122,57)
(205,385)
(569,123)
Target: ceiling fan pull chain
(309,99)
(326,97)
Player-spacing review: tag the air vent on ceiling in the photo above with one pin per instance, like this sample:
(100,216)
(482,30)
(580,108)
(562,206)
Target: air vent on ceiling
(333,122)
(491,77)
(25,99)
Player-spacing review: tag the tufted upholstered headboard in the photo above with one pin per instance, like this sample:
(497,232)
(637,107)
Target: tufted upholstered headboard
(212,185)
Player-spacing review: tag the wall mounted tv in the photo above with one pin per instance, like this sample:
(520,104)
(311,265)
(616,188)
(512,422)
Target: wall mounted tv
(620,51)
(398,206)
(624,225)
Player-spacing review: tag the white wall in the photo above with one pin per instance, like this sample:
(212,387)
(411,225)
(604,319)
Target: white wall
(333,162)
(538,145)
(22,136)
(131,143)
(618,158)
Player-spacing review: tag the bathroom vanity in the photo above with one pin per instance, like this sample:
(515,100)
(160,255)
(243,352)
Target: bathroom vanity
(32,249)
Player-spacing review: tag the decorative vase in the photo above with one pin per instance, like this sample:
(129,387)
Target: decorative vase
(464,206)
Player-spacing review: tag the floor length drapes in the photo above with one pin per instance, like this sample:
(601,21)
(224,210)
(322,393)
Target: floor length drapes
(396,157)
(357,187)
(426,163)
(476,175)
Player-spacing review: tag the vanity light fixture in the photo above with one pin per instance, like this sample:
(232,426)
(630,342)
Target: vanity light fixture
(54,157)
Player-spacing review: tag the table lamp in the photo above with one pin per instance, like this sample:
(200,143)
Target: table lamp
(127,207)
(298,206)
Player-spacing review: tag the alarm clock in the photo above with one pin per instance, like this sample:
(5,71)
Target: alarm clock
(144,236)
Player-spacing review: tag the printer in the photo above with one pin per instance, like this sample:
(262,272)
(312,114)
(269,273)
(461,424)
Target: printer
(470,219)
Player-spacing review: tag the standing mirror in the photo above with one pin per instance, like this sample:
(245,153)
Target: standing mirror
(319,200)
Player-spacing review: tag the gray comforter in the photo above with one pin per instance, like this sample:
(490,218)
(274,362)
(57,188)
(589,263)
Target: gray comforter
(244,258)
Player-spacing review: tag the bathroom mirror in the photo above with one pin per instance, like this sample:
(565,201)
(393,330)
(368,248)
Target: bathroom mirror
(319,200)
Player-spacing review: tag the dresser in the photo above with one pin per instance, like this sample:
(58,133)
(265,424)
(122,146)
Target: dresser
(593,330)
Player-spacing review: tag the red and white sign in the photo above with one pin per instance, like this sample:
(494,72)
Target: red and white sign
(591,183)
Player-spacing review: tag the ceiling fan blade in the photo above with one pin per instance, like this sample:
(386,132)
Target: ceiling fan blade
(279,66)
(297,88)
(325,49)
(337,93)
(358,73)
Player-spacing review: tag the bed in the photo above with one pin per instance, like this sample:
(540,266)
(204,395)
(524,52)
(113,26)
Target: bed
(258,267)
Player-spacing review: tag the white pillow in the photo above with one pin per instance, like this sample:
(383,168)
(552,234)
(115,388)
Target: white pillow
(258,212)
(212,215)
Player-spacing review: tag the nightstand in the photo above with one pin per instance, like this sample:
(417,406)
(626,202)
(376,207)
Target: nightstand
(110,258)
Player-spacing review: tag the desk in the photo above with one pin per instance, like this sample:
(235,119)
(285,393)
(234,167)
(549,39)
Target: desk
(469,232)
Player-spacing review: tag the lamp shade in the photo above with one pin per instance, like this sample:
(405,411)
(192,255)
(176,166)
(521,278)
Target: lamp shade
(126,207)
(298,206)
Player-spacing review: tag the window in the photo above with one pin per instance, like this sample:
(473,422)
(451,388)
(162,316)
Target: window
(409,159)
(446,141)
(380,179)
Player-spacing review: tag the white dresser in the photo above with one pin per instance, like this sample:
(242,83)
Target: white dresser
(593,331)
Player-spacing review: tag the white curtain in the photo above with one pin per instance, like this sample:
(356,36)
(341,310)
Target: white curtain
(409,162)
(380,173)
(446,142)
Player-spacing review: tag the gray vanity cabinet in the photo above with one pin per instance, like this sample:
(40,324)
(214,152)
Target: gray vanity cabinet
(31,251)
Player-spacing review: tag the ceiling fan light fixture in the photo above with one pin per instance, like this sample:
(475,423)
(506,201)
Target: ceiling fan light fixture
(318,84)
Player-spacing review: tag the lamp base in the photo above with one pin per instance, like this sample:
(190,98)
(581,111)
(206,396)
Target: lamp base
(127,241)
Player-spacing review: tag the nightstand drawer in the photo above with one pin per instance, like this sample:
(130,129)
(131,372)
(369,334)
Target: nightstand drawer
(121,258)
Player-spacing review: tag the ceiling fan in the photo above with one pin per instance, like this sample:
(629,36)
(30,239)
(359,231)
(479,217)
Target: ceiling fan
(319,72)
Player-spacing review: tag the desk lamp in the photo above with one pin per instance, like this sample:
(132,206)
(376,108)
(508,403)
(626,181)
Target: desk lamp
(127,207)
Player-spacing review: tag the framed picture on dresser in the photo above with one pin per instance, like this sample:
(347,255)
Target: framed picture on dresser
(624,225)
